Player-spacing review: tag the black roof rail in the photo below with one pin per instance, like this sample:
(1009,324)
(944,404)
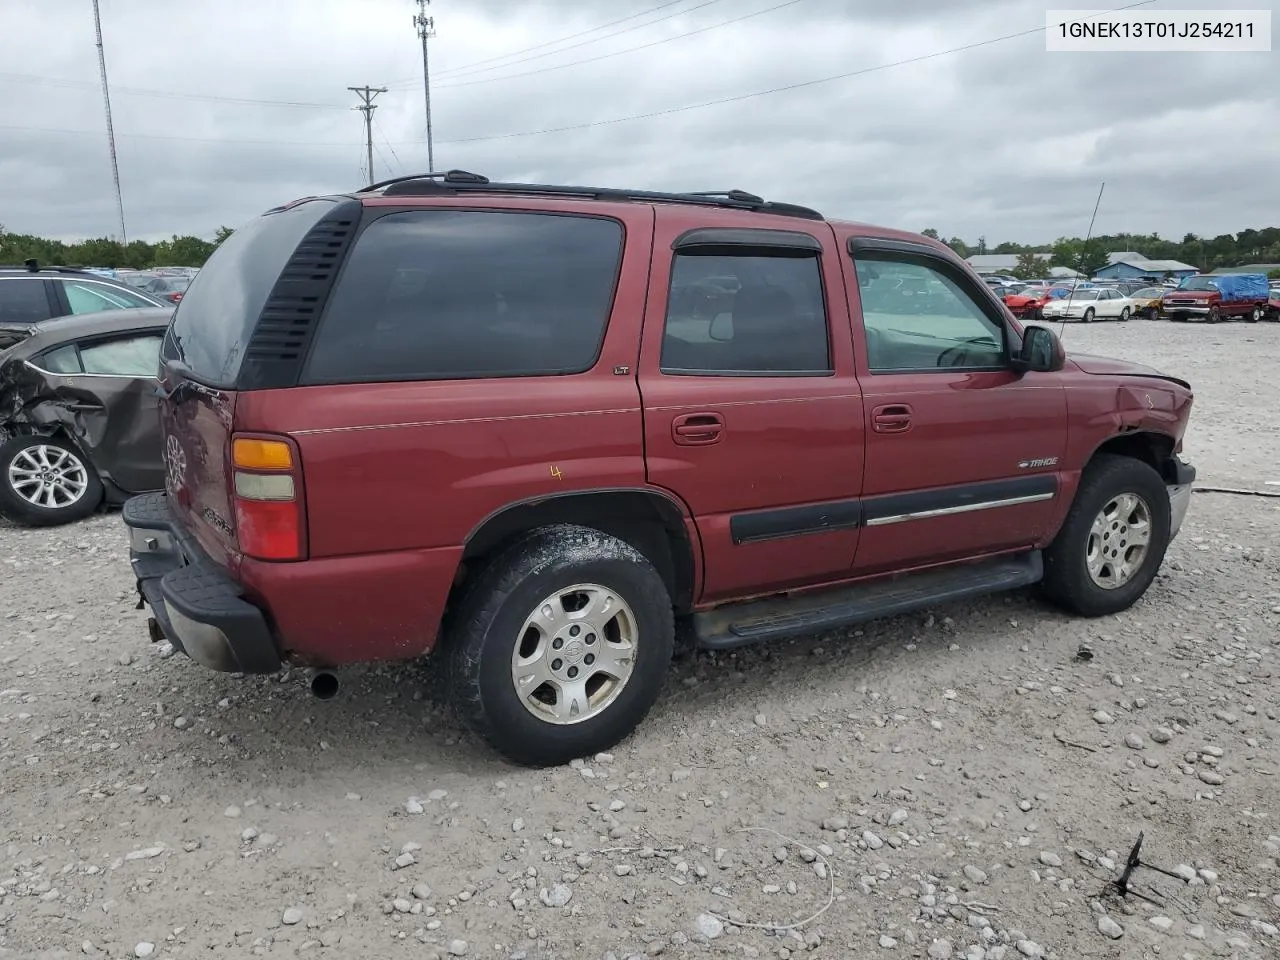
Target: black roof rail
(32,265)
(448,176)
(456,182)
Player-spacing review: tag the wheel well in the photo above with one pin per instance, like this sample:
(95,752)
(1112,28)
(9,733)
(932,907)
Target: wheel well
(649,522)
(1153,449)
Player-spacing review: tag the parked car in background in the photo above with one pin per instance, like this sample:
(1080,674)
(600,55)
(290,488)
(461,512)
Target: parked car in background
(32,293)
(528,427)
(1027,303)
(1146,302)
(1273,303)
(78,413)
(1093,303)
(170,287)
(1218,297)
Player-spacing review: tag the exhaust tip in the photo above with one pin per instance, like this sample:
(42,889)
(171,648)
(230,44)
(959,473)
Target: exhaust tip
(324,685)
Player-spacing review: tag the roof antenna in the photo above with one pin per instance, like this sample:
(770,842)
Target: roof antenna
(1084,252)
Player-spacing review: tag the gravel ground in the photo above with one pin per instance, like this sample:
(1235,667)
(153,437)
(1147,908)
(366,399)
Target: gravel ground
(962,784)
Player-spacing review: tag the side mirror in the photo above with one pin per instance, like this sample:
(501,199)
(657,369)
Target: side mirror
(1042,351)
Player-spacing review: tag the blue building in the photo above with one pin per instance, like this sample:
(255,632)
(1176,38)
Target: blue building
(1134,266)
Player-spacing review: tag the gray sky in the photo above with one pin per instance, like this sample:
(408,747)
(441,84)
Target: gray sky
(1002,140)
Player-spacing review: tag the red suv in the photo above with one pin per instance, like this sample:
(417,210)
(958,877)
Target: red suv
(532,428)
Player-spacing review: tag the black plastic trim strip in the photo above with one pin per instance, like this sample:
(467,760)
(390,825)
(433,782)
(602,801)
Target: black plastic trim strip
(746,237)
(795,521)
(969,495)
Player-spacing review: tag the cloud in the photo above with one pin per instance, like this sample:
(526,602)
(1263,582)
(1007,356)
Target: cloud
(1002,140)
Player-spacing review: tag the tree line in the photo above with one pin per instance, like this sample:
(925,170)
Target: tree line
(187,251)
(1225,250)
(1088,257)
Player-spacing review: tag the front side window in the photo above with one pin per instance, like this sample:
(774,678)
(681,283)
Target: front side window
(137,356)
(943,327)
(93,297)
(462,294)
(749,314)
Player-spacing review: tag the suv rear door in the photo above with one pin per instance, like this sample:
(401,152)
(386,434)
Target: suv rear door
(963,452)
(752,412)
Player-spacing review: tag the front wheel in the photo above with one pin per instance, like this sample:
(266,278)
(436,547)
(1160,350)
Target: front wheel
(561,645)
(45,481)
(1215,315)
(1088,315)
(1113,540)
(1124,314)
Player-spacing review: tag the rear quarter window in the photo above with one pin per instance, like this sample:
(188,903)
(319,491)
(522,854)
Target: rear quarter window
(215,319)
(463,294)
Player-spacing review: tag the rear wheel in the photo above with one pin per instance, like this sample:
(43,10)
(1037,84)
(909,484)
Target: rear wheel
(560,646)
(1113,540)
(1254,315)
(45,481)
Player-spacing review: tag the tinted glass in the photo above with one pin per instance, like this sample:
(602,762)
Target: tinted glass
(23,300)
(944,328)
(215,319)
(749,315)
(453,294)
(127,357)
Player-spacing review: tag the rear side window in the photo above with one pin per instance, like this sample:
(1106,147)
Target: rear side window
(215,319)
(23,300)
(463,294)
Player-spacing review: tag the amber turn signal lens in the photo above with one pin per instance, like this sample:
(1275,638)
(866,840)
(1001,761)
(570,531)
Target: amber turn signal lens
(251,454)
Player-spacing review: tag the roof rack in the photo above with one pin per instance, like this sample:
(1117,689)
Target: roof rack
(455,182)
(32,265)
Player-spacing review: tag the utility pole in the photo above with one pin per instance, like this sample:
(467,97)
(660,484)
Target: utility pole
(366,94)
(426,30)
(111,133)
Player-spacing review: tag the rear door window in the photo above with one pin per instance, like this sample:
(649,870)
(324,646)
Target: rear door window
(464,294)
(90,297)
(23,300)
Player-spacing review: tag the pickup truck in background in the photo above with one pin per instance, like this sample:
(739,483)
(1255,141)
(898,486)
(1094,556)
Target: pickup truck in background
(1218,298)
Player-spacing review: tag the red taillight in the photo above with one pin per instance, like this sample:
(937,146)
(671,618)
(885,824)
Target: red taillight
(266,483)
(175,297)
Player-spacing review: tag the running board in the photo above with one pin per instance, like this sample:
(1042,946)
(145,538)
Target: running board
(754,621)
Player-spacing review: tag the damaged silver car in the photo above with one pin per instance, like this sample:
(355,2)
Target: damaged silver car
(79,415)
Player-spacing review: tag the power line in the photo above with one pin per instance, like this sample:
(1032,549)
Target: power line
(163,94)
(574,46)
(367,95)
(618,53)
(772,90)
(607,122)
(572,36)
(377,126)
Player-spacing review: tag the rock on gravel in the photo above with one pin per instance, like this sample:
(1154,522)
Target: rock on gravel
(292,916)
(556,896)
(1109,928)
(709,926)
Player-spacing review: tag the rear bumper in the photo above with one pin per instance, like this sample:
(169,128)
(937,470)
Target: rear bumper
(200,609)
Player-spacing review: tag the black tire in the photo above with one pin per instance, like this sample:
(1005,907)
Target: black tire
(1215,315)
(485,631)
(1254,315)
(1124,315)
(1088,315)
(16,507)
(1067,581)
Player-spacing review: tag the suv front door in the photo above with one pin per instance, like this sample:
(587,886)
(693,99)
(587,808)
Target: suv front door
(962,450)
(752,412)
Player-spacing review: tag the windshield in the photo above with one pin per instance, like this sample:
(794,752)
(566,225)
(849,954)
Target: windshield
(1199,283)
